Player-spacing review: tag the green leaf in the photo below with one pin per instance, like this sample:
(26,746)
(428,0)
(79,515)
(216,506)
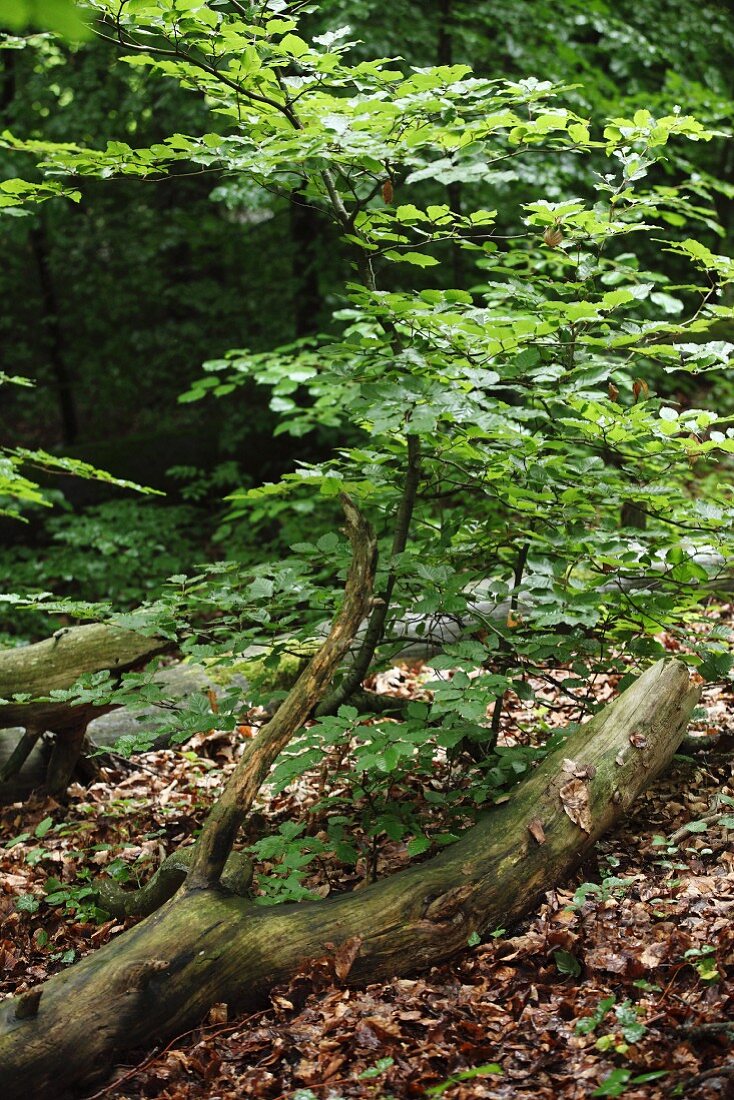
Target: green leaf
(614,1084)
(716,665)
(465,1075)
(27,903)
(43,827)
(19,839)
(567,963)
(377,1070)
(261,588)
(294,45)
(418,845)
(61,16)
(418,259)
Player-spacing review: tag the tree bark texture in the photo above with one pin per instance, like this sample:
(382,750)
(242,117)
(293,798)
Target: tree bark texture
(61,659)
(57,662)
(206,946)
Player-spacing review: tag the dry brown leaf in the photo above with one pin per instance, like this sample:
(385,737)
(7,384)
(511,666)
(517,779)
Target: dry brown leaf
(345,955)
(575,801)
(218,1014)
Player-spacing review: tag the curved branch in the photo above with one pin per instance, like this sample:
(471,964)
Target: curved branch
(230,810)
(236,877)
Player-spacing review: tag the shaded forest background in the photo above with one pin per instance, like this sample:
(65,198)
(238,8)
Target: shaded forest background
(112,304)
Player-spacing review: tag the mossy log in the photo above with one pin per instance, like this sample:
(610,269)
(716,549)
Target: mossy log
(206,945)
(61,659)
(120,903)
(56,663)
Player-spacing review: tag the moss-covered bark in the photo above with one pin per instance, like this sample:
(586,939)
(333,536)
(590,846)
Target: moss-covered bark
(120,903)
(57,662)
(206,946)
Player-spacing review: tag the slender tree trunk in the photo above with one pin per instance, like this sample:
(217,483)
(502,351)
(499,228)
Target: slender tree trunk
(229,812)
(54,337)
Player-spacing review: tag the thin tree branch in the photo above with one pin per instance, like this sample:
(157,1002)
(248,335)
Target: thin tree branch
(356,674)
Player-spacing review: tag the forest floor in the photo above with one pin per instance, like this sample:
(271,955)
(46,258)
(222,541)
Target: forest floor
(620,983)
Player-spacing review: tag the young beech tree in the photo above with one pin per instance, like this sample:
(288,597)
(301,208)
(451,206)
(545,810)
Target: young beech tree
(490,433)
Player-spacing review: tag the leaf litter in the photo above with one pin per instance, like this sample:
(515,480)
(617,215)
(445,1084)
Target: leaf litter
(620,983)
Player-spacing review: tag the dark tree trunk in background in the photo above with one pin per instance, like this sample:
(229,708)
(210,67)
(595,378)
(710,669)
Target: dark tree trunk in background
(53,338)
(7,82)
(305,226)
(445,56)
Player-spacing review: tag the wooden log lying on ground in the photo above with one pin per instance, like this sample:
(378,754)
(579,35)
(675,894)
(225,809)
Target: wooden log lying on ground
(207,945)
(178,681)
(57,662)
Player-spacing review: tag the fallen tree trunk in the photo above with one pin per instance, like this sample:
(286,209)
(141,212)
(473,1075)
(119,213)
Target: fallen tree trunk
(207,945)
(177,682)
(61,659)
(56,663)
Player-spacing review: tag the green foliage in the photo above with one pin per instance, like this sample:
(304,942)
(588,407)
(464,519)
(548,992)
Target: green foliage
(79,899)
(617,1082)
(286,856)
(119,551)
(587,1024)
(377,1070)
(703,960)
(609,887)
(62,16)
(567,963)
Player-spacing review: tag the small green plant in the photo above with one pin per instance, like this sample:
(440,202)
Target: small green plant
(703,961)
(617,1082)
(646,987)
(377,1070)
(600,891)
(286,855)
(67,957)
(464,1075)
(39,832)
(27,903)
(567,964)
(78,899)
(629,1029)
(587,1024)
